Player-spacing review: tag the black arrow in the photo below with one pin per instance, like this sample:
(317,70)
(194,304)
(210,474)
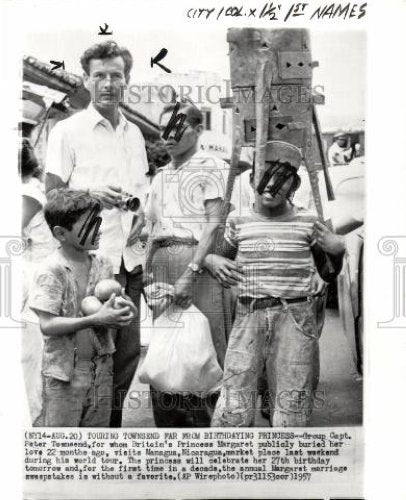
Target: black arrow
(155,60)
(103,31)
(58,65)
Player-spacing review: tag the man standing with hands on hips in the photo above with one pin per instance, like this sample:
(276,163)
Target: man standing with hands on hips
(99,150)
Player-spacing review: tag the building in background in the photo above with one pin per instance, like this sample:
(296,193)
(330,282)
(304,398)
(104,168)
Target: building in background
(49,96)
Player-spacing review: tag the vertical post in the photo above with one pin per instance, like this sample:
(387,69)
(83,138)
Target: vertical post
(323,157)
(235,158)
(262,122)
(313,175)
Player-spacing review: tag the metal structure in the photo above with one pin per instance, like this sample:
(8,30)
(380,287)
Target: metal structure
(271,80)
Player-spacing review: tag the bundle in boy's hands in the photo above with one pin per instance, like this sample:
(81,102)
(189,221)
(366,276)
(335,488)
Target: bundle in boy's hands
(102,292)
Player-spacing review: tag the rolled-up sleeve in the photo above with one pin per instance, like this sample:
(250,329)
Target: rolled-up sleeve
(47,293)
(60,158)
(215,182)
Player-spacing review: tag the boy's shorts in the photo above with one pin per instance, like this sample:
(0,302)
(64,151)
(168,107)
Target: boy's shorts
(84,401)
(283,339)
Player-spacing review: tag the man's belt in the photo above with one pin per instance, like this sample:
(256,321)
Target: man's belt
(173,242)
(265,302)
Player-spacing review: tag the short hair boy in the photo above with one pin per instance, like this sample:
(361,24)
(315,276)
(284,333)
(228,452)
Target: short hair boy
(77,353)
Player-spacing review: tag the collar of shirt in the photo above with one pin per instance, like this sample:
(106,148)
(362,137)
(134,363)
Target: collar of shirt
(64,262)
(100,268)
(95,118)
(200,159)
(60,259)
(177,196)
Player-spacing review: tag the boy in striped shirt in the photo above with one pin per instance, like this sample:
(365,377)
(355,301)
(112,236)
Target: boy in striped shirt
(278,247)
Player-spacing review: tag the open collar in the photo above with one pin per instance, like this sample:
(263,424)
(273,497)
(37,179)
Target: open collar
(198,160)
(65,263)
(95,118)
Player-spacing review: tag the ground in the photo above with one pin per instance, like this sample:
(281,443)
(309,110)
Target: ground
(339,390)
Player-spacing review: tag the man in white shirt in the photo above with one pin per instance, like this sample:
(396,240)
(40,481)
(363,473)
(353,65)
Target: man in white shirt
(99,150)
(184,207)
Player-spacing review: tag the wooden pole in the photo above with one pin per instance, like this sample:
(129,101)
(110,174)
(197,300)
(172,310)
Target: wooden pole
(323,156)
(262,123)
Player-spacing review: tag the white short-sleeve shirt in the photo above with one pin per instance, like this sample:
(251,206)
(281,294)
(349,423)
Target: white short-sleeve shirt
(338,155)
(177,195)
(86,152)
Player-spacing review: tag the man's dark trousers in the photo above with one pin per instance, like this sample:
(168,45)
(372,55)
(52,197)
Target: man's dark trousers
(128,347)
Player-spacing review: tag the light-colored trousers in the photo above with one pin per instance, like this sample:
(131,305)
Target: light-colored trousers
(283,339)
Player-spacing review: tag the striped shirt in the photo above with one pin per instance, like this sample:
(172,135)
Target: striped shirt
(275,253)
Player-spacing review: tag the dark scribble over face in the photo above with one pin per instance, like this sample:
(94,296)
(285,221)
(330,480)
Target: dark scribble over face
(85,233)
(278,184)
(189,136)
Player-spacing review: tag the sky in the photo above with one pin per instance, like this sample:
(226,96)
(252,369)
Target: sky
(341,56)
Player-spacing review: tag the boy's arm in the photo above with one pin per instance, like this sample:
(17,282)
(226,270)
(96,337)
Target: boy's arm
(54,326)
(225,250)
(184,284)
(328,265)
(328,251)
(227,272)
(228,246)
(222,266)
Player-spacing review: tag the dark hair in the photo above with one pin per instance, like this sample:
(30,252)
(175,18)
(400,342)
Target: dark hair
(27,161)
(282,172)
(107,50)
(193,114)
(65,206)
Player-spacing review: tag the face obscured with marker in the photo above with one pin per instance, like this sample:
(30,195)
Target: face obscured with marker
(272,200)
(85,233)
(188,140)
(277,190)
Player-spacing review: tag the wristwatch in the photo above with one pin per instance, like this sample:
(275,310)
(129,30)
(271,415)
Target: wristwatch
(194,268)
